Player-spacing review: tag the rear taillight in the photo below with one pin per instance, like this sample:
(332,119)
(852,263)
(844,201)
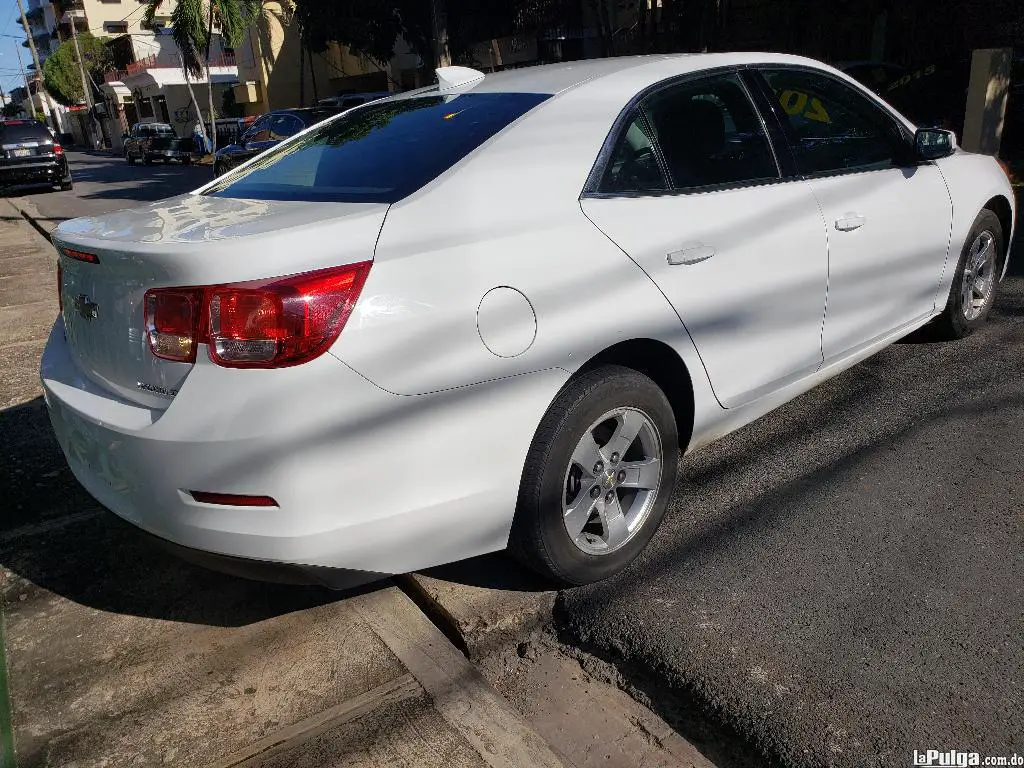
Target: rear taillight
(259,324)
(172,318)
(58,149)
(284,321)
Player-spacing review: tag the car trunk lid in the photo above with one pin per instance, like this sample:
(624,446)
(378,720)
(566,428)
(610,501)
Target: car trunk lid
(184,242)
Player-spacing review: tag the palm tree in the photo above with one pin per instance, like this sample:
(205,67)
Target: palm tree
(192,31)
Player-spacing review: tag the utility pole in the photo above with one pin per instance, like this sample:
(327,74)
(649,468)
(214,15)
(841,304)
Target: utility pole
(85,85)
(24,77)
(43,96)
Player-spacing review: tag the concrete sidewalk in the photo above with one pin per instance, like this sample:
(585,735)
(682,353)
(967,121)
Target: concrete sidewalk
(119,655)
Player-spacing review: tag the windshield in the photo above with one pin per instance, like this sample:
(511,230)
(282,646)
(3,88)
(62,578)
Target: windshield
(379,153)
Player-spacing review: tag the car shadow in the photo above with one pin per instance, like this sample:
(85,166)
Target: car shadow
(495,571)
(55,539)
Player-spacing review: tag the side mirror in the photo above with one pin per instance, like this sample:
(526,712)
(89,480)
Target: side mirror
(934,143)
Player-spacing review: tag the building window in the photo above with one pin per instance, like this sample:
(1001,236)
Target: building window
(116,27)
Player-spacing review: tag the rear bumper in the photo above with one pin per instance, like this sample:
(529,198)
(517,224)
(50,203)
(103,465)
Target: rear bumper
(168,154)
(34,173)
(364,480)
(266,570)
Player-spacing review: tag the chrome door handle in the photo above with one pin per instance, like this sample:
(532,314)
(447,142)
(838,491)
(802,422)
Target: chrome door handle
(849,222)
(691,255)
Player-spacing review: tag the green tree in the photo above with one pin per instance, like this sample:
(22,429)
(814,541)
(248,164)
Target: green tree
(192,31)
(372,27)
(60,70)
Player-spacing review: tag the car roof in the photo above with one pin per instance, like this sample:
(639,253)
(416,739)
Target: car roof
(552,79)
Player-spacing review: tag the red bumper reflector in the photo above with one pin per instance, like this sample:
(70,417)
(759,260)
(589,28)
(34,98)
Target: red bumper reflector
(92,258)
(232,499)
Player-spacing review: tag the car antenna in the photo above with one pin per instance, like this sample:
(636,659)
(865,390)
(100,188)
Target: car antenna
(449,78)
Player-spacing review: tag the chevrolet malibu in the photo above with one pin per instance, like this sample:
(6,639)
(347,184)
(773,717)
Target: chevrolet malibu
(489,314)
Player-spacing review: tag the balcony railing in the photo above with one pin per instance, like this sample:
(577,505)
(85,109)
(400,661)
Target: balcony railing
(174,62)
(167,62)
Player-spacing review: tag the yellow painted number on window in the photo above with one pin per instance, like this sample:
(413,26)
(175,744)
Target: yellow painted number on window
(795,103)
(817,112)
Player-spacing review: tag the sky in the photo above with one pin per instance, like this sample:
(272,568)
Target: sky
(10,24)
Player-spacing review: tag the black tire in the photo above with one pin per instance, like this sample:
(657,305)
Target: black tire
(129,158)
(67,186)
(186,161)
(147,160)
(953,322)
(539,538)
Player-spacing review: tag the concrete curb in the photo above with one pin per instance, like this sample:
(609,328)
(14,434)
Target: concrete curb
(470,704)
(482,620)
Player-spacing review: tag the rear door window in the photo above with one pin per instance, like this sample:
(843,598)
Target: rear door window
(380,152)
(710,134)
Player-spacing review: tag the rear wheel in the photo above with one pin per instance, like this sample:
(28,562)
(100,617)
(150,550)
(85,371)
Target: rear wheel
(129,157)
(598,477)
(147,160)
(976,279)
(67,185)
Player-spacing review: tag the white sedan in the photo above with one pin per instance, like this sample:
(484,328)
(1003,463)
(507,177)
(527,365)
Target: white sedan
(490,313)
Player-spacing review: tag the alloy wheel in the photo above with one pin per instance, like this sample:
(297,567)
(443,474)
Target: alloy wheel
(612,481)
(979,276)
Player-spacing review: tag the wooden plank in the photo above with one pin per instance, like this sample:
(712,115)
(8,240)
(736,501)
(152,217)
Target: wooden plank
(460,693)
(400,688)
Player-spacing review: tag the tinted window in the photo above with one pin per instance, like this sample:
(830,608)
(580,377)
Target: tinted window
(710,134)
(155,129)
(283,126)
(832,126)
(633,165)
(14,131)
(378,153)
(314,115)
(260,130)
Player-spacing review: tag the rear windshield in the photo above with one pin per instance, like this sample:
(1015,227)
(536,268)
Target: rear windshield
(156,129)
(379,153)
(12,132)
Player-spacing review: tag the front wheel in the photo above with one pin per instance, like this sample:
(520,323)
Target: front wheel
(598,477)
(129,158)
(976,279)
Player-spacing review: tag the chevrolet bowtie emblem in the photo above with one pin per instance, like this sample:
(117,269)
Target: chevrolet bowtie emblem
(85,307)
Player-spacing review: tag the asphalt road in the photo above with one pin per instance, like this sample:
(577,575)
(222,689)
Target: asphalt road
(840,583)
(837,584)
(105,183)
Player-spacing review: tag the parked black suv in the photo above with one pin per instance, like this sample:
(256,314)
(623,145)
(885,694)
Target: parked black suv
(268,131)
(31,156)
